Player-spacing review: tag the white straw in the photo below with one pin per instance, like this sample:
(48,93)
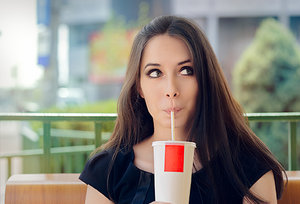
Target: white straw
(172,125)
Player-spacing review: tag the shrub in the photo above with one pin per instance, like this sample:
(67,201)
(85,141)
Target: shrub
(267,79)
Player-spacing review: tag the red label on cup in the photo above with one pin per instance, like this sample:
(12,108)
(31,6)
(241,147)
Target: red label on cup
(174,158)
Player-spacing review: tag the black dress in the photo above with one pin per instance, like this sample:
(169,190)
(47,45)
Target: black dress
(129,184)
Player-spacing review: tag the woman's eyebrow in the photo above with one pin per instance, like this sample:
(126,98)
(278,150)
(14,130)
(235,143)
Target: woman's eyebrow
(185,61)
(158,65)
(152,64)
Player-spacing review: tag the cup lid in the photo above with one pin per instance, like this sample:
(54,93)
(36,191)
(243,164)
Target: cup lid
(170,142)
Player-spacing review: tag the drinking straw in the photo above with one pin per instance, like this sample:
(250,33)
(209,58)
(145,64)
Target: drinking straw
(172,125)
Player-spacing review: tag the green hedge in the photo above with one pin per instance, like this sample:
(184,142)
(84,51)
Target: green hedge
(109,106)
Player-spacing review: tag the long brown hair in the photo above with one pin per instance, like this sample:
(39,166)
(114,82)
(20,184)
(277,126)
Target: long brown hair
(219,127)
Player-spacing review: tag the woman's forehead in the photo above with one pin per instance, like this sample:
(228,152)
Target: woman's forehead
(165,47)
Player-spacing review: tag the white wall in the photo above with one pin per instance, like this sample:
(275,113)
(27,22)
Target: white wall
(18,43)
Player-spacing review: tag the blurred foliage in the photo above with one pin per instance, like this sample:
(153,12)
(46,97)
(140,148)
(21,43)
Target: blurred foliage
(110,47)
(109,106)
(267,79)
(269,71)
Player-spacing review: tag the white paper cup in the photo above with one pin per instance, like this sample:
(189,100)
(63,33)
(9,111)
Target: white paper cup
(173,163)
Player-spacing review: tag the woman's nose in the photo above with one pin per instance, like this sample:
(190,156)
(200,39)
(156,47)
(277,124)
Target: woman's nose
(172,89)
(171,95)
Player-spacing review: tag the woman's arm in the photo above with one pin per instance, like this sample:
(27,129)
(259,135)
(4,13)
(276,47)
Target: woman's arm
(264,188)
(94,196)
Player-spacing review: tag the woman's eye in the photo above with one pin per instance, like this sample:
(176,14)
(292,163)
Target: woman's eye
(154,73)
(186,70)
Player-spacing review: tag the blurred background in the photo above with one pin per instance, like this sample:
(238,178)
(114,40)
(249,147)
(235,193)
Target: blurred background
(67,56)
(58,53)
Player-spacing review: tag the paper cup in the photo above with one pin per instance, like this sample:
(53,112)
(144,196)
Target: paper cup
(173,163)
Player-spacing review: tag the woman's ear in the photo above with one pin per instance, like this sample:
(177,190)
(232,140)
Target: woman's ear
(140,92)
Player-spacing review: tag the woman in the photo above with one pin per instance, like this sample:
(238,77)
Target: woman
(172,67)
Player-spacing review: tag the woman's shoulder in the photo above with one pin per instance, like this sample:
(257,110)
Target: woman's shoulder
(102,160)
(96,168)
(253,164)
(100,166)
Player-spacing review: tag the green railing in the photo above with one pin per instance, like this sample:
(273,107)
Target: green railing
(291,118)
(47,119)
(98,119)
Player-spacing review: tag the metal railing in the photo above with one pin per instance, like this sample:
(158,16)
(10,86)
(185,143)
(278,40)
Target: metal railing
(47,119)
(291,118)
(98,119)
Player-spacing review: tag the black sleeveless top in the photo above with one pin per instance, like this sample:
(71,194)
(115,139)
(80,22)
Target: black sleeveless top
(129,184)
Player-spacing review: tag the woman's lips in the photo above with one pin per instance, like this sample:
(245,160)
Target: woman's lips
(175,110)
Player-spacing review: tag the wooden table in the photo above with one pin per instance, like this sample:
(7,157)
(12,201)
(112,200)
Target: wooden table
(45,188)
(67,188)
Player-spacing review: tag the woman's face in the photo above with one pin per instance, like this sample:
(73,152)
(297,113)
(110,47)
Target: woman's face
(167,81)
